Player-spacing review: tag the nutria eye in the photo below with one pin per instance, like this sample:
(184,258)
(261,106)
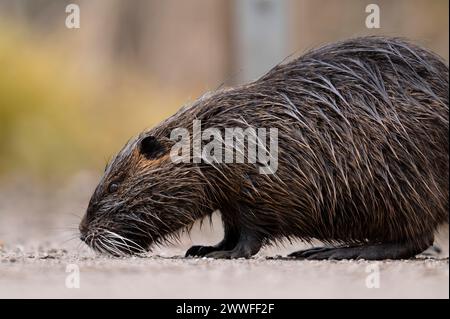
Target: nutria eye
(113,187)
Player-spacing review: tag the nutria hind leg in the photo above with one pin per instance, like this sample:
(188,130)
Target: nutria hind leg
(303,254)
(201,251)
(380,251)
(229,241)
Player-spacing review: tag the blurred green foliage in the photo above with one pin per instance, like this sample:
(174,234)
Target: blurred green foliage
(54,121)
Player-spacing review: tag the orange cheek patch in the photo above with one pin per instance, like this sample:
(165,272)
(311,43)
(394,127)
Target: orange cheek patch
(147,164)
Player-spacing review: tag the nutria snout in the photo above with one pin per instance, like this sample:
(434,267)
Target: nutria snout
(362,161)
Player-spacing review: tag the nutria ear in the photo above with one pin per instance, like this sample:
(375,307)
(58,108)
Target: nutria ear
(151,148)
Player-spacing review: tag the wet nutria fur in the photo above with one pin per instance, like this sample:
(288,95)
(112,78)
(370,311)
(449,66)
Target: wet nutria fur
(363,161)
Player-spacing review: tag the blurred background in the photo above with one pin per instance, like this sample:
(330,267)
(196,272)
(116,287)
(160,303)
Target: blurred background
(70,98)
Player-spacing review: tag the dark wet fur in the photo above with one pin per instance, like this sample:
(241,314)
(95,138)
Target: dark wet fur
(363,157)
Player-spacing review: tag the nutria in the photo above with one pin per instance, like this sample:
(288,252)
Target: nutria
(363,161)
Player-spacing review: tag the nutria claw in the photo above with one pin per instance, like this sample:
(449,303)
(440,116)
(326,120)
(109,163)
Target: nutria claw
(199,251)
(238,252)
(228,254)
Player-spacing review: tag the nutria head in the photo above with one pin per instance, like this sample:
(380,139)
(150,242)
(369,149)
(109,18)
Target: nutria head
(141,199)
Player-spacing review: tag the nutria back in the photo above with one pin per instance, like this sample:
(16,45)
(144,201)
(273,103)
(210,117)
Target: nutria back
(362,158)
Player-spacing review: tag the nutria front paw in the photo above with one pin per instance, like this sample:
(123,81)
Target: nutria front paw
(223,254)
(199,251)
(213,252)
(230,254)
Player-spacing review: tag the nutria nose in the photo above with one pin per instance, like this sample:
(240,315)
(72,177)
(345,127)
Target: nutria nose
(82,237)
(83,228)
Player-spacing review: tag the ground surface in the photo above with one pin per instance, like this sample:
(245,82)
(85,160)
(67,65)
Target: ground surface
(38,251)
